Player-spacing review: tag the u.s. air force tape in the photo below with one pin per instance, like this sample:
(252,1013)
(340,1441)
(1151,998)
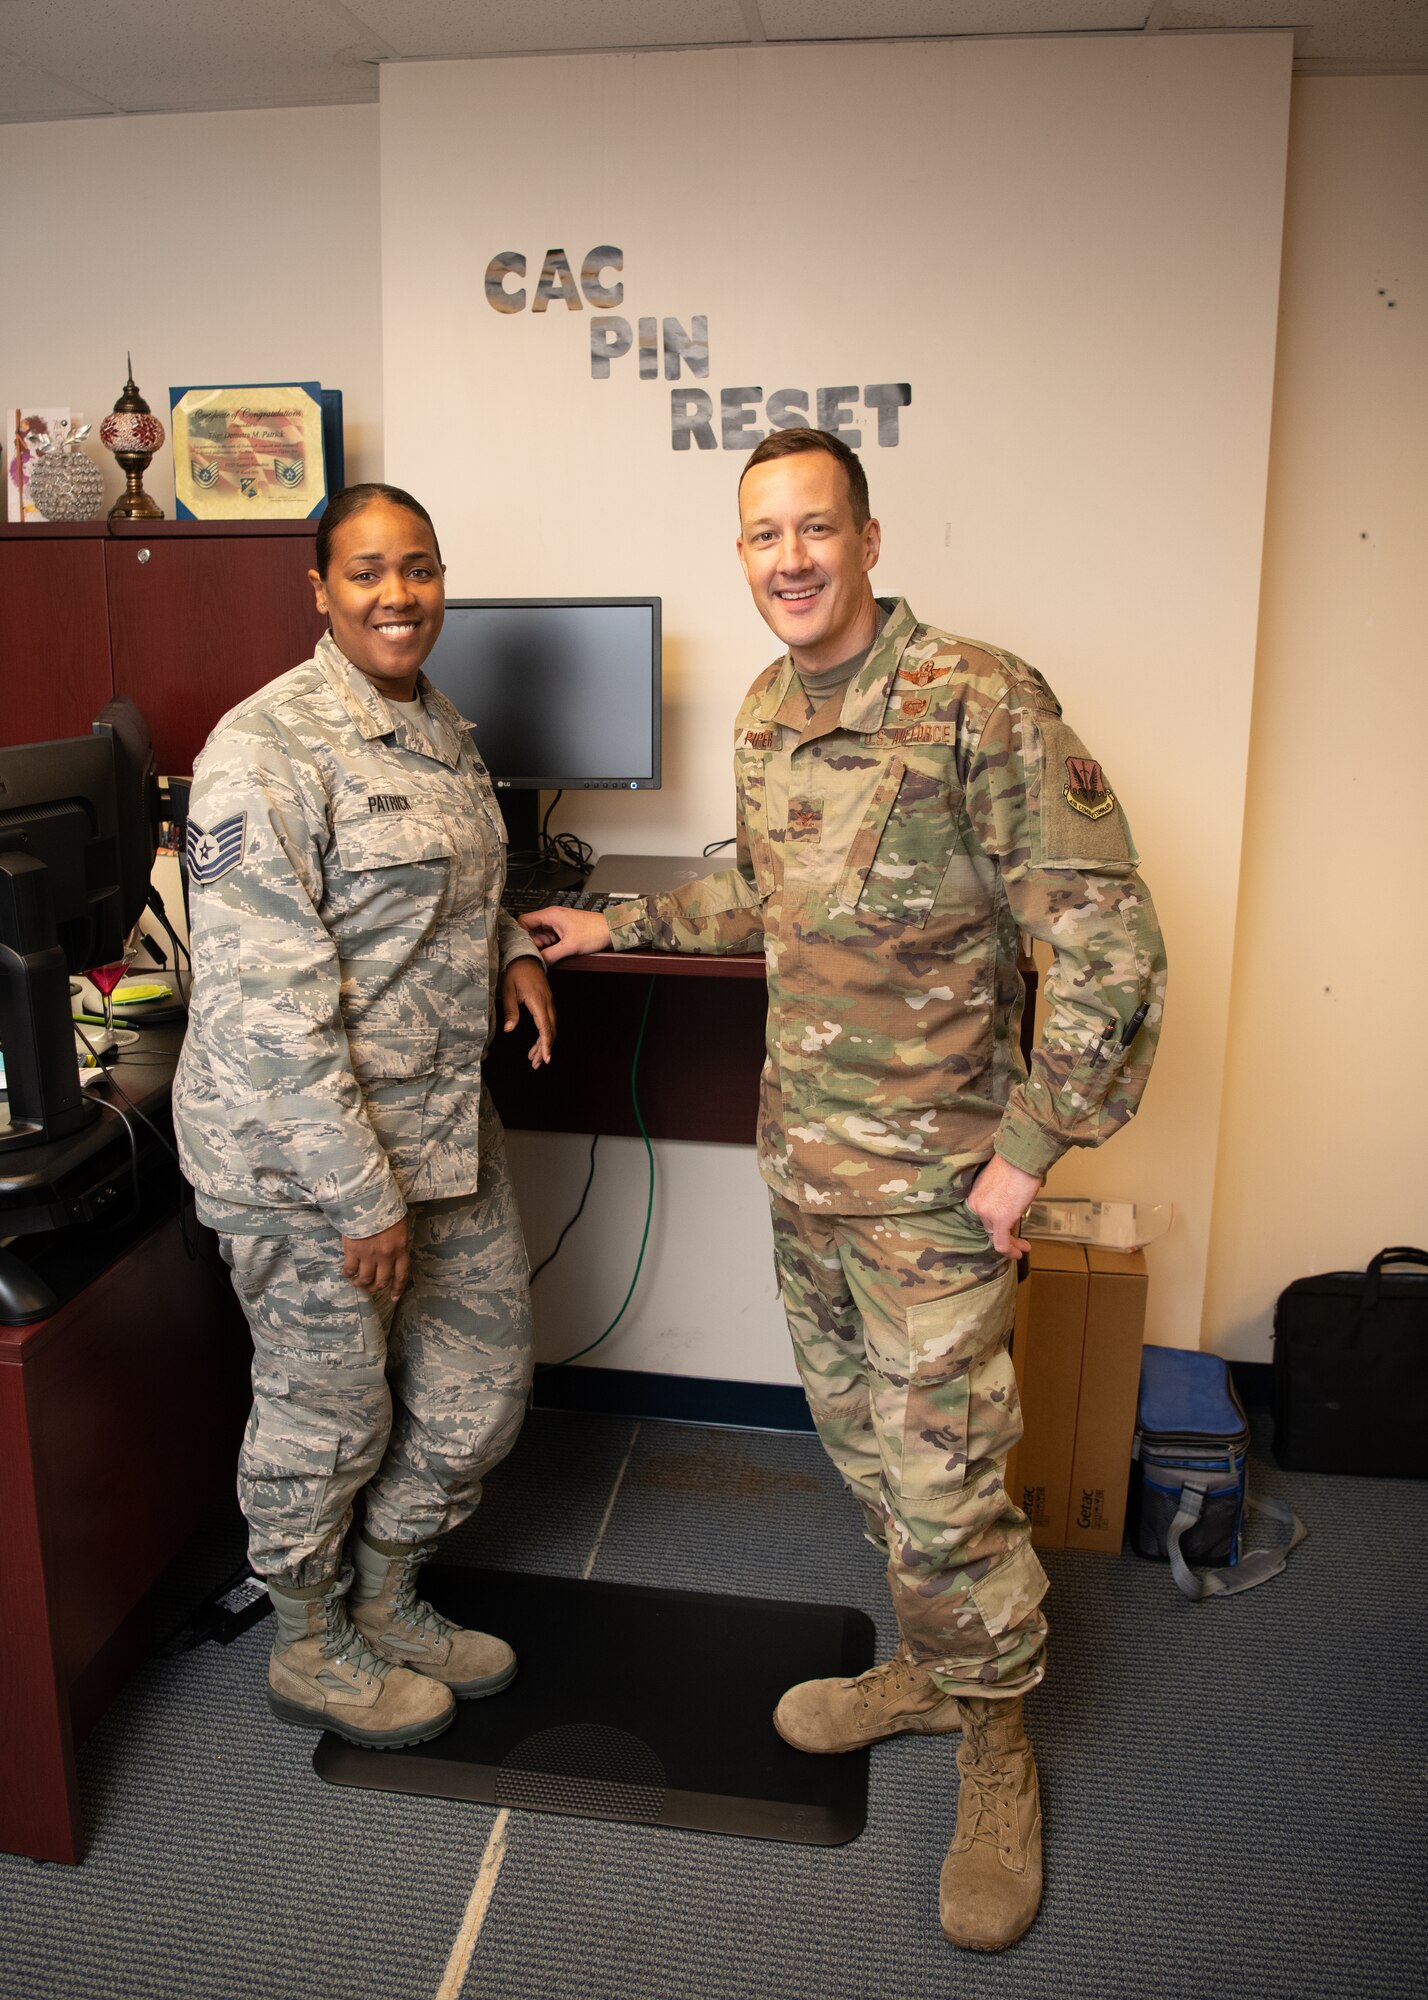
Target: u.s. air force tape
(213,853)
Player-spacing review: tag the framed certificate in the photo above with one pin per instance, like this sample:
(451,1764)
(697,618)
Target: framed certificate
(251,452)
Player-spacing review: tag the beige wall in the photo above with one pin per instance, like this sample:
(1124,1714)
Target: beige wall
(1070,249)
(222,246)
(1322,1145)
(1321,1136)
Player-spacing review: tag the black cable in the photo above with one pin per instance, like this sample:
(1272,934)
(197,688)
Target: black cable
(590,1347)
(715,845)
(134,1212)
(589,1177)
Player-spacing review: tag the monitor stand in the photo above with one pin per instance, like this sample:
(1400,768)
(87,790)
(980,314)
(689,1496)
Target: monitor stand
(527,869)
(36,1027)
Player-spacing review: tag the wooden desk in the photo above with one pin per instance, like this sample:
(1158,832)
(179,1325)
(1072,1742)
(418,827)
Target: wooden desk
(120,1419)
(699,1066)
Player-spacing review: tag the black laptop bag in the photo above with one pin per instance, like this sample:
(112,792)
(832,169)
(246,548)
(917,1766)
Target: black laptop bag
(1351,1370)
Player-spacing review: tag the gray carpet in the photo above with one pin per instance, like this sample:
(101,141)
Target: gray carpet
(1234,1791)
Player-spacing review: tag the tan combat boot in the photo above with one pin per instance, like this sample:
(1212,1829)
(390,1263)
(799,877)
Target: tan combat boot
(403,1627)
(322,1675)
(896,1699)
(991,1879)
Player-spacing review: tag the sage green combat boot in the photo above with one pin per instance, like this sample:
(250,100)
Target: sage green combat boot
(898,1698)
(991,1879)
(403,1627)
(323,1675)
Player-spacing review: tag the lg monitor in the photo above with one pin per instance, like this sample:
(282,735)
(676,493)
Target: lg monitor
(563,694)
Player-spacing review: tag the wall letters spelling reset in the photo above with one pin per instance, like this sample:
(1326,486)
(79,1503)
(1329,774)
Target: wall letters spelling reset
(666,347)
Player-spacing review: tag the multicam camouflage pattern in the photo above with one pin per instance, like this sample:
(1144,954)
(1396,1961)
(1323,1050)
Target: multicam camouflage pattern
(345,962)
(415,1403)
(892,842)
(900,1326)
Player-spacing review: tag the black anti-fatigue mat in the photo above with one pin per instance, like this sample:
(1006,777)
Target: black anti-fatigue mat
(636,1704)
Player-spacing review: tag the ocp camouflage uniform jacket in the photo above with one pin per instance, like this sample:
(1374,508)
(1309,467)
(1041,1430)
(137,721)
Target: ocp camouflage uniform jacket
(345,880)
(891,844)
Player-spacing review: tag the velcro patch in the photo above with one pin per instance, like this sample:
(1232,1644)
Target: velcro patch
(1080,825)
(213,853)
(917,732)
(755,739)
(388,802)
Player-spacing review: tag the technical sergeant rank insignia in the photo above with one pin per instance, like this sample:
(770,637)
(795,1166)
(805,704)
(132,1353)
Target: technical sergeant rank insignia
(1086,790)
(213,854)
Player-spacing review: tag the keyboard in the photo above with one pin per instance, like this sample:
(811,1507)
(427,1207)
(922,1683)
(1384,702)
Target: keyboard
(517,901)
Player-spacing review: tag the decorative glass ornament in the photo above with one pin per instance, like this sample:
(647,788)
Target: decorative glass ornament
(133,433)
(66,484)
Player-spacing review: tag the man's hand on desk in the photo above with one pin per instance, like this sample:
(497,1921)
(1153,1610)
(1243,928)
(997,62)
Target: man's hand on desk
(561,933)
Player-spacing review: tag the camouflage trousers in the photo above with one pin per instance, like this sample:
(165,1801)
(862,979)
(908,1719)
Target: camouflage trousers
(900,1327)
(410,1405)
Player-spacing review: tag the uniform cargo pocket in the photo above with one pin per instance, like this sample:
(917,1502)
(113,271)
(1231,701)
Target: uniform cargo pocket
(928,1397)
(289,1455)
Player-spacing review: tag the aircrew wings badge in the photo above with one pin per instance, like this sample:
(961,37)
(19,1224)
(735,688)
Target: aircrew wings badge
(213,853)
(1086,790)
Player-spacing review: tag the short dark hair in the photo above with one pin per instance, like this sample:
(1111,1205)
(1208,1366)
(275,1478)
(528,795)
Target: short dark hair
(351,500)
(783,444)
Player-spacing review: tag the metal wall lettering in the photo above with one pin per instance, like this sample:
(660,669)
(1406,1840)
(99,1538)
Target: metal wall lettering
(666,347)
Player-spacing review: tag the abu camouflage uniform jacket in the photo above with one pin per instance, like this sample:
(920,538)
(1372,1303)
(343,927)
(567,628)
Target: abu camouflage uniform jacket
(345,879)
(891,845)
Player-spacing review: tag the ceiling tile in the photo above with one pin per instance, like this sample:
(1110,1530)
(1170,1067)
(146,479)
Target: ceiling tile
(27,96)
(834,20)
(166,58)
(497,27)
(1388,31)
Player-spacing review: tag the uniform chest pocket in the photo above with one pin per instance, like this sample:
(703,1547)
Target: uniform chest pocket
(392,840)
(901,849)
(393,879)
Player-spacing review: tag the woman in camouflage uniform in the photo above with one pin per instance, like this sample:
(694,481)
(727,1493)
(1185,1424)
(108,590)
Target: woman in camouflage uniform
(346,862)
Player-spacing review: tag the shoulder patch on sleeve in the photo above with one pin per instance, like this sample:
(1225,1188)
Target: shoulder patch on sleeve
(1082,825)
(213,852)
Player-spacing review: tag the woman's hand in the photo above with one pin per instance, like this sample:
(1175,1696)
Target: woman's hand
(524,984)
(380,1263)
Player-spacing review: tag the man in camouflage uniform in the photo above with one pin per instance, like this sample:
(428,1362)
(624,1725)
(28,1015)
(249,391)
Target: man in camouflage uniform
(908,802)
(346,864)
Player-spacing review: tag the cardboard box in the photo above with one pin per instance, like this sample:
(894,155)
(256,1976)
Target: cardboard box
(1110,1385)
(1047,1353)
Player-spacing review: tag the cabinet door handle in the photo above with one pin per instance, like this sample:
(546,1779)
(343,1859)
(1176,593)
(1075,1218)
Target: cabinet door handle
(144,555)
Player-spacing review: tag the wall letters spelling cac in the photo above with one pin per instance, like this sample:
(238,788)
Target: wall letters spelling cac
(691,411)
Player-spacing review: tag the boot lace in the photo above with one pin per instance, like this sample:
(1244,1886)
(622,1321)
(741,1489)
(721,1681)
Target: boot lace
(344,1645)
(412,1611)
(885,1682)
(991,1807)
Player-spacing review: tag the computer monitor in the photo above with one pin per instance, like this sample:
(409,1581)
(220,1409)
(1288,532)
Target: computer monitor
(136,800)
(563,693)
(77,828)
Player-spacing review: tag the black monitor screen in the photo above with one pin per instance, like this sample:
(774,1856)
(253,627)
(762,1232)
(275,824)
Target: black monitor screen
(560,691)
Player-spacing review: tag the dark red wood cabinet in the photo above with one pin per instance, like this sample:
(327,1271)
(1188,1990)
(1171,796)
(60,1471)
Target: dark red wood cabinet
(185,617)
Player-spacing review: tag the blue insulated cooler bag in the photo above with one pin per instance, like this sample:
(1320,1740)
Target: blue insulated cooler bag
(1188,1492)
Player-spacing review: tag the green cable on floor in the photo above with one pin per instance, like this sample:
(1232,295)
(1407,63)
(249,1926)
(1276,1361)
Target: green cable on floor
(649,1203)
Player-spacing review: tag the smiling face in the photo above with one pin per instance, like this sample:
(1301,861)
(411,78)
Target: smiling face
(806,560)
(384,593)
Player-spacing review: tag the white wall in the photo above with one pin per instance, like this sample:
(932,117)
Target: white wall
(1322,1149)
(221,246)
(1070,249)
